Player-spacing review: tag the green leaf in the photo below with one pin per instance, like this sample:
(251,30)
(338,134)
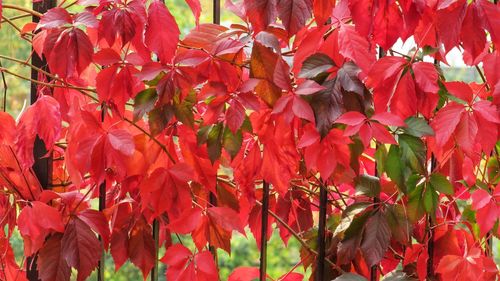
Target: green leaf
(418,127)
(430,200)
(356,148)
(368,185)
(413,152)
(415,205)
(232,142)
(441,184)
(158,118)
(214,142)
(380,158)
(144,102)
(398,223)
(348,216)
(202,134)
(393,167)
(184,108)
(350,277)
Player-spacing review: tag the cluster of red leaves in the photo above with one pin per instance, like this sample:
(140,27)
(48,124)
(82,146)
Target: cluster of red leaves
(296,96)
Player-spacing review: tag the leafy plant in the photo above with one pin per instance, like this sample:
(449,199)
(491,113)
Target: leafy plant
(304,119)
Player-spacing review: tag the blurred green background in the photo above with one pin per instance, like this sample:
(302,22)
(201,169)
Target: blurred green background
(244,250)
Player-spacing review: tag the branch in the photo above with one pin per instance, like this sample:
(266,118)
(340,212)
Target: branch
(23,9)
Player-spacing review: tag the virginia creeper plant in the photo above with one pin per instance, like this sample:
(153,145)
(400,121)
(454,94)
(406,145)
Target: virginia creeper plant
(303,96)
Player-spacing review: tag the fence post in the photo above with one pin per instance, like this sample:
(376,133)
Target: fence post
(263,234)
(212,199)
(376,199)
(320,260)
(42,166)
(102,206)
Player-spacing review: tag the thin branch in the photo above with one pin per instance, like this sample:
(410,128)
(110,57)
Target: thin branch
(23,9)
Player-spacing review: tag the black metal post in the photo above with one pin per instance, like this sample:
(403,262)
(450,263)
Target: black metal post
(323,201)
(263,235)
(43,165)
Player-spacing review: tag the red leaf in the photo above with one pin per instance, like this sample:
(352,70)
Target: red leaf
(70,52)
(466,132)
(385,68)
(35,223)
(322,10)
(167,190)
(54,18)
(43,118)
(308,87)
(121,141)
(490,15)
(51,263)
(195,8)
(472,265)
(7,129)
(302,109)
(486,208)
(162,32)
(141,247)
(426,77)
(227,218)
(403,99)
(356,48)
(388,119)
(351,118)
(294,14)
(123,22)
(235,115)
(292,276)
(260,13)
(381,134)
(376,238)
(97,222)
(176,256)
(473,36)
(243,273)
(446,121)
(186,222)
(80,248)
(205,265)
(449,17)
(491,63)
(183,266)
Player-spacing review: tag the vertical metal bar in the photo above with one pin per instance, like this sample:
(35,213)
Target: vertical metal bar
(43,165)
(320,261)
(216,11)
(211,197)
(102,206)
(376,200)
(430,223)
(156,238)
(263,235)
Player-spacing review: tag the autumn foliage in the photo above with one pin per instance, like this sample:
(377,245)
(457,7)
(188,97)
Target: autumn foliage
(303,95)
